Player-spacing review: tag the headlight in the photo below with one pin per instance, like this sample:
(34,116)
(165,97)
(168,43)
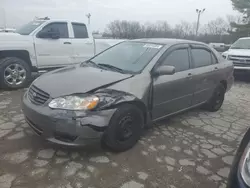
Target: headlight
(244,165)
(74,103)
(224,55)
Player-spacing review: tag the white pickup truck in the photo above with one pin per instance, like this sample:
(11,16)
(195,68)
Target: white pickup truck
(45,44)
(239,54)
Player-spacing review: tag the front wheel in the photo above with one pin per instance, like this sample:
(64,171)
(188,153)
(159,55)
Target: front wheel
(216,101)
(125,128)
(15,73)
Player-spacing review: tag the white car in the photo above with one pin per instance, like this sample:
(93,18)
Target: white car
(239,54)
(45,44)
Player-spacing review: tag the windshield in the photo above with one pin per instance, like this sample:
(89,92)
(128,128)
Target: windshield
(128,56)
(28,28)
(241,44)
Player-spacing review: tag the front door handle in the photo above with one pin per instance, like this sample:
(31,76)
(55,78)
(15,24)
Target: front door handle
(67,43)
(189,74)
(215,68)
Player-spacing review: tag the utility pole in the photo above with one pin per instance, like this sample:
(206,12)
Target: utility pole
(88,16)
(199,12)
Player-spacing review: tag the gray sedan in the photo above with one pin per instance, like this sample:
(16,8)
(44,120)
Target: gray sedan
(113,96)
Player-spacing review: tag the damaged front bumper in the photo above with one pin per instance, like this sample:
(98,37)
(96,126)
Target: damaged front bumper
(64,127)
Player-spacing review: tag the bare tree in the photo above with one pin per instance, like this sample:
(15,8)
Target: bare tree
(217,27)
(214,31)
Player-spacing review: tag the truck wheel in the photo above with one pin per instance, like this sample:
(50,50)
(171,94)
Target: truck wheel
(124,129)
(15,73)
(216,101)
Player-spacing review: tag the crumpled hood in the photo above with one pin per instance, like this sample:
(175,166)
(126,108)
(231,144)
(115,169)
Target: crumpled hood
(76,79)
(239,52)
(14,37)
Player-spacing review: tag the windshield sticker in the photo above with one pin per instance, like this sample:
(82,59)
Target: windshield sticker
(152,46)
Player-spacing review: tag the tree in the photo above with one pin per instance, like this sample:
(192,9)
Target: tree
(214,31)
(124,29)
(242,29)
(243,6)
(216,27)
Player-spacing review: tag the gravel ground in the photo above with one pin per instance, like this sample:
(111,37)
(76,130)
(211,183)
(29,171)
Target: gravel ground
(194,149)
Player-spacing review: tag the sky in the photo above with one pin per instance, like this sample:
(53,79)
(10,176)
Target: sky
(18,12)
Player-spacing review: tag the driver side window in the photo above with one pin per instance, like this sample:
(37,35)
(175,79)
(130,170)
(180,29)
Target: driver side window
(62,28)
(179,59)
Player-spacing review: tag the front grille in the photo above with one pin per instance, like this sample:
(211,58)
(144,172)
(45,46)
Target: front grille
(64,137)
(37,96)
(240,59)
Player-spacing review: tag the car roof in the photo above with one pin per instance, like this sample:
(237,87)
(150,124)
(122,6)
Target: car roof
(244,38)
(166,41)
(61,20)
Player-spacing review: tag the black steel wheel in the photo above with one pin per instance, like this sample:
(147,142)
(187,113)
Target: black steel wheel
(216,101)
(125,128)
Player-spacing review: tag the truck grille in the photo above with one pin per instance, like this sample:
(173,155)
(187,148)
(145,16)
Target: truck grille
(37,96)
(240,60)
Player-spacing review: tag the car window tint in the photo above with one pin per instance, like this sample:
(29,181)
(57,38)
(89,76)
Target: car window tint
(80,30)
(201,57)
(179,59)
(61,27)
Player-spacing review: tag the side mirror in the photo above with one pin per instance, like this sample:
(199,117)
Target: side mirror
(164,70)
(49,34)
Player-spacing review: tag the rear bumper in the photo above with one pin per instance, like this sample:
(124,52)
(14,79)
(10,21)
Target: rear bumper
(65,127)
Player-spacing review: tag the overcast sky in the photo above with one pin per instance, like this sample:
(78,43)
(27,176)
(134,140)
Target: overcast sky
(19,12)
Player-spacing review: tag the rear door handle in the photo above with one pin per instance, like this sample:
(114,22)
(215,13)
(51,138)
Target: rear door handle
(216,68)
(67,43)
(189,74)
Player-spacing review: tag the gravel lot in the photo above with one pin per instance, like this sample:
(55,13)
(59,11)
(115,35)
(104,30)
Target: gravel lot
(194,149)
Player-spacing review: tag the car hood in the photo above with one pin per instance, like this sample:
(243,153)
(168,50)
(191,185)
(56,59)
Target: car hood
(239,52)
(14,37)
(76,79)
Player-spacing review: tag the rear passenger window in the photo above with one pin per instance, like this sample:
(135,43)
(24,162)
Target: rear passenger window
(201,58)
(179,59)
(80,30)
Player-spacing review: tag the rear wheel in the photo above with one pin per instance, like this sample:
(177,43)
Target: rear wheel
(15,73)
(216,101)
(125,128)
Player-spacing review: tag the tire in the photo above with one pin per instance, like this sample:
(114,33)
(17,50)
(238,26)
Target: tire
(15,73)
(233,175)
(217,99)
(116,137)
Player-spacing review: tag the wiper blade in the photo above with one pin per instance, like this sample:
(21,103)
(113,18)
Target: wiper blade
(111,67)
(89,61)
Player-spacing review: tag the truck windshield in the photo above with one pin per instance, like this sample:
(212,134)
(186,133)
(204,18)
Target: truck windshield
(130,57)
(28,28)
(241,44)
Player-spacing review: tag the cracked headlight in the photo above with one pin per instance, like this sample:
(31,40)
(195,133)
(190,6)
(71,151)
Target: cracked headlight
(74,103)
(244,165)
